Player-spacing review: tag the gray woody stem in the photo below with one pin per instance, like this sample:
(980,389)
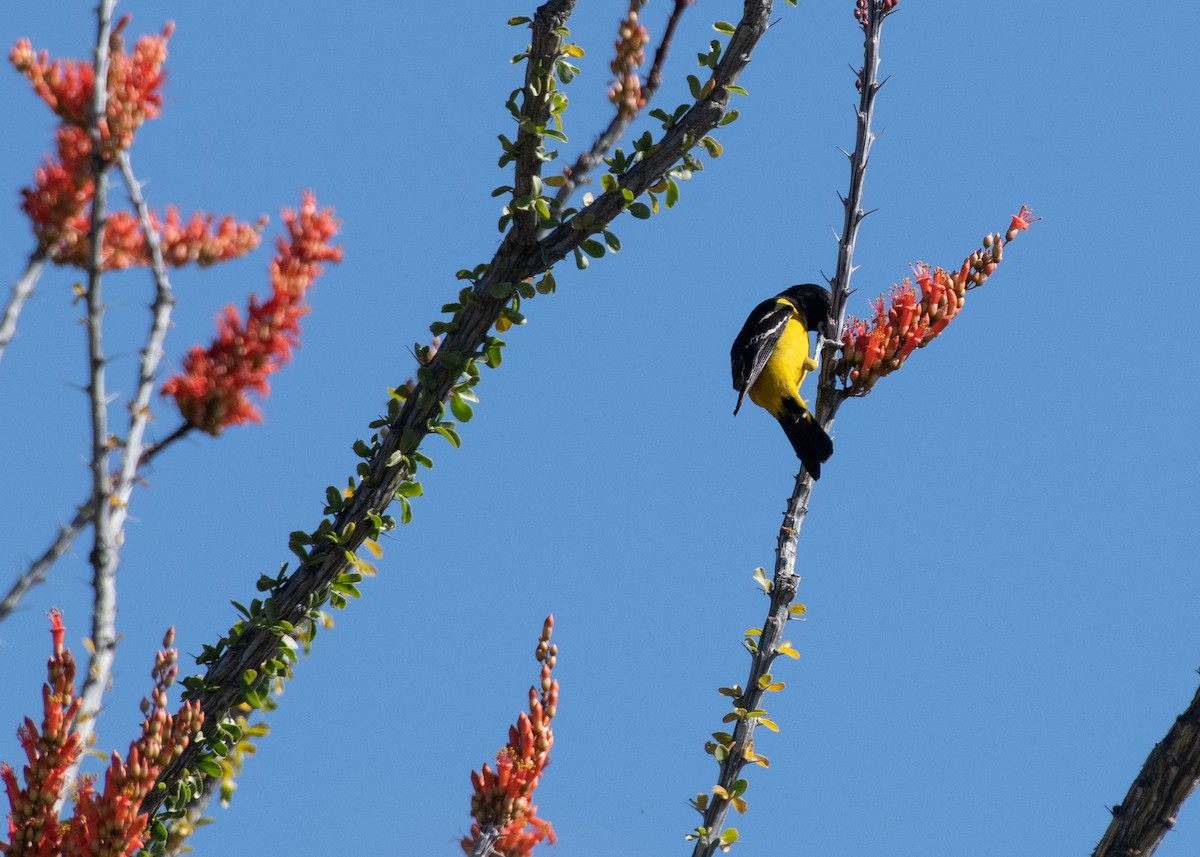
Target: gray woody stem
(21,291)
(785,580)
(104,549)
(829,397)
(516,259)
(133,454)
(1169,775)
(152,352)
(485,843)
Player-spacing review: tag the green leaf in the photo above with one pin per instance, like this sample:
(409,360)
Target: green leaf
(593,248)
(503,291)
(612,242)
(449,434)
(640,210)
(395,458)
(348,589)
(209,767)
(409,489)
(518,21)
(461,410)
(729,836)
(712,147)
(694,85)
(581,261)
(672,195)
(724,27)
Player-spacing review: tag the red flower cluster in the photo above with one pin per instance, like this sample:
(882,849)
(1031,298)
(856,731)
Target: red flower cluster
(862,9)
(103,823)
(632,38)
(203,240)
(914,317)
(33,821)
(58,203)
(134,85)
(503,799)
(211,392)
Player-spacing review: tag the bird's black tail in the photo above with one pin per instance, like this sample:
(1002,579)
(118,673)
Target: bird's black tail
(813,446)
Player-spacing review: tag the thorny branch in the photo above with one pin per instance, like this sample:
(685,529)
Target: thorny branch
(1169,774)
(579,172)
(134,455)
(152,353)
(21,290)
(104,546)
(785,580)
(295,599)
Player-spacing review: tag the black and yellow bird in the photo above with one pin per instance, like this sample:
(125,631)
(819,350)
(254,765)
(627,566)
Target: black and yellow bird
(770,358)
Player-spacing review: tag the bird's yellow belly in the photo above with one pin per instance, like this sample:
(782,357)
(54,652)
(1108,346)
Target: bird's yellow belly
(785,370)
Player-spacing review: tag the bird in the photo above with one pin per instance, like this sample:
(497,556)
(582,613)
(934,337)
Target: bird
(770,358)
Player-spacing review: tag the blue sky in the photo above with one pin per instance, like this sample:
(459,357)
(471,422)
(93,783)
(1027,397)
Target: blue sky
(1000,559)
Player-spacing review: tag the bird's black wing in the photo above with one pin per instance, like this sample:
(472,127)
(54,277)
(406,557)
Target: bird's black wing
(754,344)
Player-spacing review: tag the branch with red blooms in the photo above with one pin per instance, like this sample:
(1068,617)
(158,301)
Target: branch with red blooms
(58,202)
(102,822)
(914,317)
(734,750)
(628,92)
(66,206)
(632,38)
(211,392)
(506,821)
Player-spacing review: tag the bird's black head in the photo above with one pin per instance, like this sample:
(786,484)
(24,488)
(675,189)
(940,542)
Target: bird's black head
(812,303)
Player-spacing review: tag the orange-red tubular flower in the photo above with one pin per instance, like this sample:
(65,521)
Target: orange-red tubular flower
(58,202)
(102,824)
(135,81)
(905,323)
(212,391)
(503,801)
